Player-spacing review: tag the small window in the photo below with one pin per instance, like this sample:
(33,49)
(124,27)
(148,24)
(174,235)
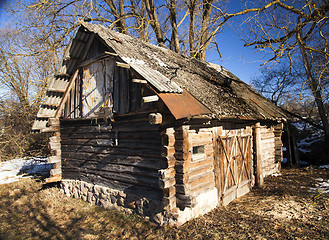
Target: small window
(198,152)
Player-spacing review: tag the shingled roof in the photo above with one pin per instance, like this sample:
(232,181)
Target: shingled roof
(226,96)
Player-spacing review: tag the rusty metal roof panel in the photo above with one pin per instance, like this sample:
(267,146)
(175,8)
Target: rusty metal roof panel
(155,78)
(127,52)
(183,105)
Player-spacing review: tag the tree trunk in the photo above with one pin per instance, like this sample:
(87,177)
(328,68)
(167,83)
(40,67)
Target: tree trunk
(120,22)
(207,6)
(150,8)
(191,7)
(316,93)
(174,43)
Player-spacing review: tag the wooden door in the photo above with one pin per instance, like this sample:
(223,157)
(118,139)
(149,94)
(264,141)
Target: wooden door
(235,168)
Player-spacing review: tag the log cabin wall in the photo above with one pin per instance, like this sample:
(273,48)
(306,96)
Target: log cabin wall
(195,182)
(124,155)
(271,147)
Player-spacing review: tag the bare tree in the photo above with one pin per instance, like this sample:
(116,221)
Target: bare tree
(287,29)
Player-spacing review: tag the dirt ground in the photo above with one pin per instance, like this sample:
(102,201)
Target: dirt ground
(289,206)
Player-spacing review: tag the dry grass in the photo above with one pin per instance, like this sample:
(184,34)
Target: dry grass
(283,209)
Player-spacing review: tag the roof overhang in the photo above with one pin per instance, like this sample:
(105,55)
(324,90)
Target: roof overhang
(183,105)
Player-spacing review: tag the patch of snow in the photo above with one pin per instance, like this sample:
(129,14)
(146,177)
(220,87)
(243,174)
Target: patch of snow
(162,64)
(322,186)
(324,166)
(303,150)
(276,174)
(13,170)
(129,60)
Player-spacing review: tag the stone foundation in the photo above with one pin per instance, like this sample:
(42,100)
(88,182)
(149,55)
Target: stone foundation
(109,198)
(152,209)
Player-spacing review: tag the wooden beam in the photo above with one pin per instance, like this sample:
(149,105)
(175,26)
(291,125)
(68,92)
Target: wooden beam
(50,129)
(258,155)
(123,65)
(55,178)
(66,94)
(152,98)
(139,81)
(111,54)
(155,118)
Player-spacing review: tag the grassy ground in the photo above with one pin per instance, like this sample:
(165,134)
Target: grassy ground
(284,208)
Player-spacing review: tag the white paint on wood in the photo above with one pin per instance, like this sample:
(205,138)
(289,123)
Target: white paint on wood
(204,202)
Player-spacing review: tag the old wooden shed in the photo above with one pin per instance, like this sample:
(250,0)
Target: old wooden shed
(145,129)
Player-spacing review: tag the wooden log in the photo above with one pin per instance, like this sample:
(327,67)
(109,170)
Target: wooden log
(112,143)
(142,152)
(54,145)
(182,189)
(167,151)
(155,118)
(52,179)
(50,129)
(185,201)
(202,169)
(168,173)
(113,176)
(169,192)
(122,65)
(168,140)
(202,187)
(111,54)
(153,98)
(200,179)
(166,183)
(54,172)
(258,155)
(54,159)
(139,81)
(111,168)
(53,122)
(112,161)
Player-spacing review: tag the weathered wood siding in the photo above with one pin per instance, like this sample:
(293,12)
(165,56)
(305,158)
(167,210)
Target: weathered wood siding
(124,154)
(270,149)
(97,87)
(194,174)
(233,160)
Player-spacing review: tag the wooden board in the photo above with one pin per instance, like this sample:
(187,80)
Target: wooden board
(234,169)
(106,153)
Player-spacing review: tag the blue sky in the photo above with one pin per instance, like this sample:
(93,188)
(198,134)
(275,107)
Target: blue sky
(242,61)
